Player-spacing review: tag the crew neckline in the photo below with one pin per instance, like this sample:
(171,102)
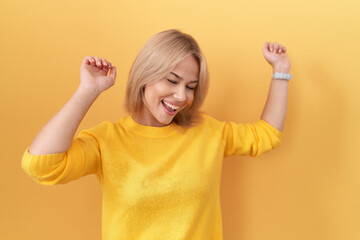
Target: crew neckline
(150,131)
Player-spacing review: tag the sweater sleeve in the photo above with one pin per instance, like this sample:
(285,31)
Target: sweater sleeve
(250,139)
(81,159)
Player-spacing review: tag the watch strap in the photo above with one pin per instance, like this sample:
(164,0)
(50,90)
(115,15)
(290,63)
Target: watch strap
(282,76)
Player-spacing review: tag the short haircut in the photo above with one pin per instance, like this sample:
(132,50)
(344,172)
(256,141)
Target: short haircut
(160,54)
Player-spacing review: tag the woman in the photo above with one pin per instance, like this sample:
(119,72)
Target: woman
(160,166)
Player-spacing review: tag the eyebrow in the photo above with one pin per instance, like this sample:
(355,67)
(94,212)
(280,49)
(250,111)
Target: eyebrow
(177,76)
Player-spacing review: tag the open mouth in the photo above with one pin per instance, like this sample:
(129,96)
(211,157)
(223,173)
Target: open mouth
(169,108)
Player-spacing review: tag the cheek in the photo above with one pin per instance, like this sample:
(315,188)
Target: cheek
(157,91)
(149,97)
(190,97)
(151,93)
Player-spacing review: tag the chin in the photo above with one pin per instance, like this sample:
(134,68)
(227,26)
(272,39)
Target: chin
(165,120)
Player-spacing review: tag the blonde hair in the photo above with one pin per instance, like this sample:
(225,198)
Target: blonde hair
(160,54)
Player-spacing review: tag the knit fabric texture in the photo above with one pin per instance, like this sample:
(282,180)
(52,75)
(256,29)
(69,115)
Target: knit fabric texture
(158,182)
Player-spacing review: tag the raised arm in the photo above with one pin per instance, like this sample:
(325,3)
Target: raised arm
(275,108)
(57,134)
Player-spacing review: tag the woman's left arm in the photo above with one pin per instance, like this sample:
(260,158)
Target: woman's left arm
(275,108)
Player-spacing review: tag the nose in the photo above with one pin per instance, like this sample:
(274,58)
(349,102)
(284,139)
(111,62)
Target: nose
(180,94)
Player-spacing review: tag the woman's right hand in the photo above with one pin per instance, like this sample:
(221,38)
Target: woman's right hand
(94,74)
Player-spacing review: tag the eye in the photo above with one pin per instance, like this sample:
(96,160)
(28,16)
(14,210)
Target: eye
(190,88)
(172,81)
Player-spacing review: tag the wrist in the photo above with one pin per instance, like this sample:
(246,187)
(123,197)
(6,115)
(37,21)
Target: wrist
(88,92)
(281,69)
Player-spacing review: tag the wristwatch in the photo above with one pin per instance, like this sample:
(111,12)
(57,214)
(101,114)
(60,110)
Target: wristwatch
(282,76)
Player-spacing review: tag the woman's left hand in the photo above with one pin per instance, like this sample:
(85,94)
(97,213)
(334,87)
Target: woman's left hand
(275,55)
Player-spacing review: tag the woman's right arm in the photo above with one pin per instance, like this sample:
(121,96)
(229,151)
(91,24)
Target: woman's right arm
(57,134)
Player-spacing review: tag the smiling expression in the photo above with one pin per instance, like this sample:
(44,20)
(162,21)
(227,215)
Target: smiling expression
(165,98)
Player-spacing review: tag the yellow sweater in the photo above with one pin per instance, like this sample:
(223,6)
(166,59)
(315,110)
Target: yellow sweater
(158,183)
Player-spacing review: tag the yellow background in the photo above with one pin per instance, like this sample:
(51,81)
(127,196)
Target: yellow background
(309,188)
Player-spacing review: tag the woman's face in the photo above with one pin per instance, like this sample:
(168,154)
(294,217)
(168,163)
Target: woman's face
(165,98)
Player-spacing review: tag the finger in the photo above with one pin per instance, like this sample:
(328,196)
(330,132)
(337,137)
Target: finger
(93,61)
(87,60)
(276,47)
(98,62)
(112,73)
(104,62)
(282,49)
(271,47)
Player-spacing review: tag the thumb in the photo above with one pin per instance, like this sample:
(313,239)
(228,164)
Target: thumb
(112,73)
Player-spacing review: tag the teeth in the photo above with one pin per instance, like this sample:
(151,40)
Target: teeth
(170,106)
